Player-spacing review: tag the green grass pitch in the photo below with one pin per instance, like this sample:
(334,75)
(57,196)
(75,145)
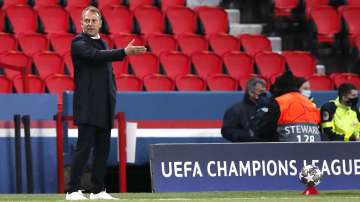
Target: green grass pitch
(275,196)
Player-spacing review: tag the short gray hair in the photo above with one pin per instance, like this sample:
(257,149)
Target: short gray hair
(251,84)
(92,9)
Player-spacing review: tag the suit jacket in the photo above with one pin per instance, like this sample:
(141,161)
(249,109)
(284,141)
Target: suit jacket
(95,89)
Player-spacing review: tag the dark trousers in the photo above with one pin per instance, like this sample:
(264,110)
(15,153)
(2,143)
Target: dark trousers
(90,137)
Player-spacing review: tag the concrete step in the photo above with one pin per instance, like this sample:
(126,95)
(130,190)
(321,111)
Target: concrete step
(276,43)
(233,16)
(237,29)
(194,3)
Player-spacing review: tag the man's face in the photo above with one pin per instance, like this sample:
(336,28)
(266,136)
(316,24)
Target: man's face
(259,89)
(91,23)
(352,95)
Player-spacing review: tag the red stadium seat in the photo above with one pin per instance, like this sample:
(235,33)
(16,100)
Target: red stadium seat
(353,3)
(61,43)
(238,64)
(253,43)
(190,82)
(58,84)
(118,19)
(55,19)
(165,4)
(284,8)
(159,43)
(206,63)
(102,3)
(269,64)
(33,43)
(214,20)
(36,84)
(8,42)
(158,82)
(320,82)
(300,63)
(2,20)
(48,63)
(149,25)
(221,82)
(327,23)
(22,18)
(77,3)
(190,43)
(175,64)
(8,3)
(69,64)
(5,84)
(15,58)
(223,43)
(120,67)
(347,78)
(45,3)
(127,82)
(312,4)
(133,4)
(351,16)
(75,15)
(181,20)
(122,40)
(144,64)
(107,40)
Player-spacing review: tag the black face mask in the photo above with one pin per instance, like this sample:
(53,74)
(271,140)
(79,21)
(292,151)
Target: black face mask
(352,102)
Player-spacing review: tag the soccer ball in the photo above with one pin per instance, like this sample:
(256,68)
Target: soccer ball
(310,175)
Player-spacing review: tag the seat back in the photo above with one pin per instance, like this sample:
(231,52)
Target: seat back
(48,63)
(320,82)
(223,43)
(18,59)
(144,64)
(54,19)
(159,43)
(221,82)
(58,84)
(61,43)
(191,43)
(22,18)
(118,18)
(181,20)
(127,82)
(206,63)
(190,82)
(254,43)
(175,63)
(347,78)
(149,25)
(8,42)
(300,63)
(158,82)
(36,84)
(214,20)
(133,4)
(238,64)
(5,84)
(33,43)
(269,64)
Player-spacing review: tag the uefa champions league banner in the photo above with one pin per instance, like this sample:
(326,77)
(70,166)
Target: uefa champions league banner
(252,166)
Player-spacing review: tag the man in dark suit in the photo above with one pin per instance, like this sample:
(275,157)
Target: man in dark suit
(94,102)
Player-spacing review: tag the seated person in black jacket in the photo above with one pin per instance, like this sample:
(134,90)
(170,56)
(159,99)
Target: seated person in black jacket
(237,119)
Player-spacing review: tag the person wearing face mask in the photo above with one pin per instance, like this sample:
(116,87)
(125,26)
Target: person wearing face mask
(237,119)
(304,88)
(340,117)
(291,117)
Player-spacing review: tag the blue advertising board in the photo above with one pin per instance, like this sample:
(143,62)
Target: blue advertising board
(252,166)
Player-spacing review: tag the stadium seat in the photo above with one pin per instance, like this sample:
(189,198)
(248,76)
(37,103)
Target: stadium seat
(175,63)
(33,43)
(269,63)
(327,23)
(75,14)
(221,82)
(149,25)
(190,82)
(300,63)
(213,20)
(159,43)
(284,8)
(122,40)
(353,3)
(206,63)
(238,64)
(61,43)
(54,19)
(23,19)
(118,19)
(351,16)
(36,84)
(77,3)
(102,3)
(5,84)
(223,43)
(120,67)
(190,43)
(127,82)
(181,20)
(17,59)
(312,4)
(107,40)
(253,43)
(347,78)
(165,4)
(58,84)
(2,20)
(158,82)
(48,63)
(8,3)
(69,64)
(133,4)
(144,64)
(320,82)
(45,3)
(8,42)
